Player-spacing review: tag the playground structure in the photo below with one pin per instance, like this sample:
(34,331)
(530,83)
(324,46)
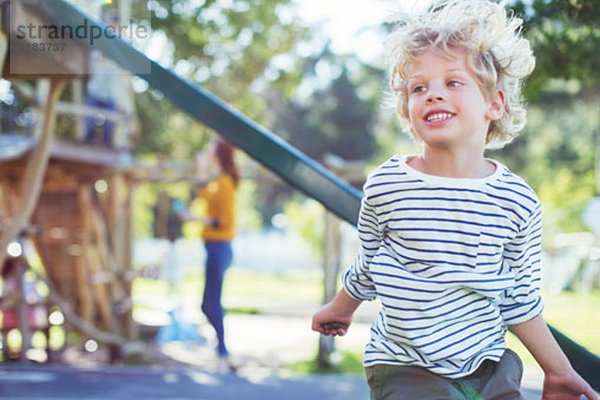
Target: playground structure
(287,162)
(71,201)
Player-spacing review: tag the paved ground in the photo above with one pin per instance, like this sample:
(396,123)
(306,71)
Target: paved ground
(36,383)
(265,347)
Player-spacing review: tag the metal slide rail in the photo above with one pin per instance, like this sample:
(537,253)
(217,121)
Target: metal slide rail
(275,154)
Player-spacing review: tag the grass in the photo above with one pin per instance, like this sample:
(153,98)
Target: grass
(244,291)
(239,282)
(577,315)
(343,362)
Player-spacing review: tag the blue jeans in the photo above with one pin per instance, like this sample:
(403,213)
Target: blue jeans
(107,125)
(218,258)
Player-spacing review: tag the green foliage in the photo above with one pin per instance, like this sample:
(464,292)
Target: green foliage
(144,198)
(193,229)
(228,48)
(334,119)
(231,41)
(572,314)
(349,363)
(248,217)
(565,35)
(564,198)
(333,111)
(308,219)
(268,287)
(166,131)
(556,153)
(556,156)
(238,50)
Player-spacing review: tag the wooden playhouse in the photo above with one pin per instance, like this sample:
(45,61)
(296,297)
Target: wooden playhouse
(69,201)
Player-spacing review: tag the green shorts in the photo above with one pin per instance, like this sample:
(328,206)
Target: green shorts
(492,380)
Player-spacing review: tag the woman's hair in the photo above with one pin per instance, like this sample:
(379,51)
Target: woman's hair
(497,53)
(224,152)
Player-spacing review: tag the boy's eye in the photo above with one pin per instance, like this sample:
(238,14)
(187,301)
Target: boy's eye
(418,89)
(454,83)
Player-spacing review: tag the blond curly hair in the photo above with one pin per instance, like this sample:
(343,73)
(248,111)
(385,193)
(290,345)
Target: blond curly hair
(498,55)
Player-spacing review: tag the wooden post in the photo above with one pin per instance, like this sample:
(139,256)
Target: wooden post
(23,309)
(598,162)
(4,213)
(331,267)
(162,214)
(35,170)
(74,320)
(3,45)
(115,224)
(9,199)
(115,260)
(80,121)
(96,265)
(127,272)
(350,171)
(86,306)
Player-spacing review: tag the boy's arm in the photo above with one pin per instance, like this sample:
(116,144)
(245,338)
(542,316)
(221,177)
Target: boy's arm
(334,318)
(561,382)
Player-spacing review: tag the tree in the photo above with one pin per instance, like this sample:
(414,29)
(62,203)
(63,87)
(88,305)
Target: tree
(556,153)
(333,119)
(565,35)
(228,48)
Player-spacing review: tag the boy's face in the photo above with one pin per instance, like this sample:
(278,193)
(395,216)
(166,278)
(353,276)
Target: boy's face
(446,106)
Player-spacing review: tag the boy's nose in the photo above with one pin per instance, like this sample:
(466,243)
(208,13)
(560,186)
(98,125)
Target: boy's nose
(434,96)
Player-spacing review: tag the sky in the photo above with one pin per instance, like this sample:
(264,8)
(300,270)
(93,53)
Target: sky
(352,25)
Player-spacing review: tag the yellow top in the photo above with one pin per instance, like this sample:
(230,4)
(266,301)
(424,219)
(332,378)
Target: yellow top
(220,198)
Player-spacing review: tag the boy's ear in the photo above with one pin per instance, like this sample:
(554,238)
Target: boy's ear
(497,106)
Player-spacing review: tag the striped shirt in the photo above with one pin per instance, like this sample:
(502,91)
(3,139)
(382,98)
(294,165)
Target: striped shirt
(453,261)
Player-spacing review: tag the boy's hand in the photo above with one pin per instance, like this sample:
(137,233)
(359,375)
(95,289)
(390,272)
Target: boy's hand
(329,325)
(334,318)
(334,328)
(328,321)
(561,382)
(566,387)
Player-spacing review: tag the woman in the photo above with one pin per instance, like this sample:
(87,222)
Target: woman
(219,230)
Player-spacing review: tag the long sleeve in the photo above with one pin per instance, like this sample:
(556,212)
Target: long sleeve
(522,258)
(357,279)
(225,206)
(220,198)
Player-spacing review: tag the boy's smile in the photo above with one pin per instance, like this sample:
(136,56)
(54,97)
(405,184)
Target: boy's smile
(435,118)
(446,106)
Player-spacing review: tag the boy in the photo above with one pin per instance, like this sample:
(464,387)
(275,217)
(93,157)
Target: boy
(450,240)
